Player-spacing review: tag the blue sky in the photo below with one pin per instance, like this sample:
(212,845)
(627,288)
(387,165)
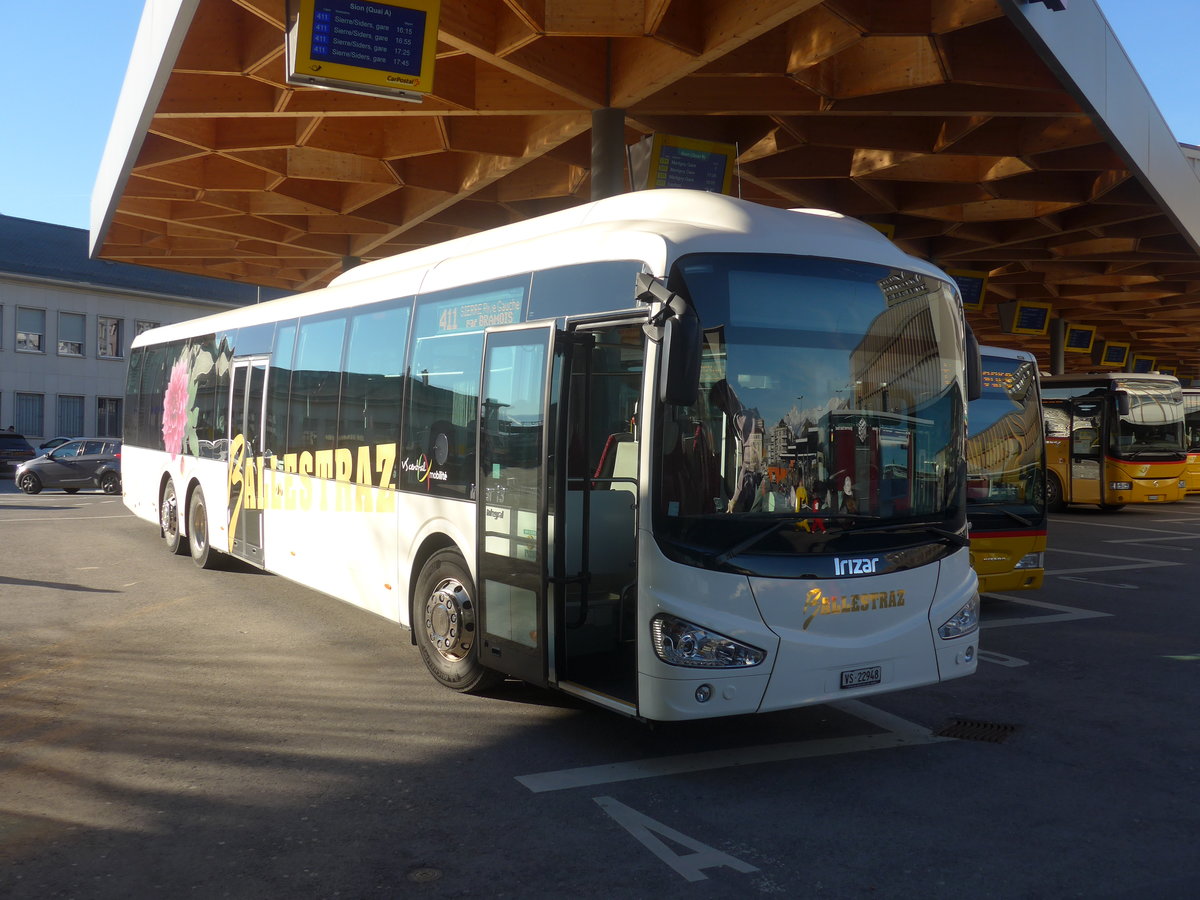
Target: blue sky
(67,58)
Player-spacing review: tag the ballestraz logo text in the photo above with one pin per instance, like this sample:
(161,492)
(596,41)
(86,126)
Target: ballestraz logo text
(862,565)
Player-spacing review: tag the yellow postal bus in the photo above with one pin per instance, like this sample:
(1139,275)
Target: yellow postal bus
(1113,438)
(1006,457)
(1191,432)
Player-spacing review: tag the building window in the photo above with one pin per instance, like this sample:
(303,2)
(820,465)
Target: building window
(70,415)
(143,326)
(30,415)
(31,330)
(70,333)
(108,336)
(108,417)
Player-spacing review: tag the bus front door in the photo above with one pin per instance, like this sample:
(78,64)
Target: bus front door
(511,502)
(1087,456)
(557,490)
(247,395)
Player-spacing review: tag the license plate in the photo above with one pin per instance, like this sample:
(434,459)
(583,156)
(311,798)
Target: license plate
(1154,497)
(853,678)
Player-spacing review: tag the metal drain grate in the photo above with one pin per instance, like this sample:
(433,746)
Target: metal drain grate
(971,730)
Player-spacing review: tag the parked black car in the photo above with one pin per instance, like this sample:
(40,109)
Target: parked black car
(85,463)
(14,450)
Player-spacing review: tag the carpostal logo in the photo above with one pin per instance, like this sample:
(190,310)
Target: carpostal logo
(423,466)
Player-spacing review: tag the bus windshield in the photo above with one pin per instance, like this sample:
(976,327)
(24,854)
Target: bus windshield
(1005,452)
(1191,420)
(830,415)
(1154,424)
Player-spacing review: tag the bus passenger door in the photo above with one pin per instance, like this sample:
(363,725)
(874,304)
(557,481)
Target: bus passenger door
(1087,451)
(246,488)
(511,494)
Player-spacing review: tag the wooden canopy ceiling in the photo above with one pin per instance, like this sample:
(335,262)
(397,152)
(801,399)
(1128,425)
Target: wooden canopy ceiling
(933,116)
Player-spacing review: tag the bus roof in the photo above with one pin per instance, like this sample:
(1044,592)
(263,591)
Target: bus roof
(1007,353)
(1094,378)
(654,226)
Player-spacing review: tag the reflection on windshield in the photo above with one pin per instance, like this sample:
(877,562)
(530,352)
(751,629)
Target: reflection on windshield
(1005,454)
(1191,420)
(1153,428)
(1155,420)
(828,389)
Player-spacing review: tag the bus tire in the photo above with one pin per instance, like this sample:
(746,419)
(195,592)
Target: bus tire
(168,520)
(203,553)
(444,625)
(1054,493)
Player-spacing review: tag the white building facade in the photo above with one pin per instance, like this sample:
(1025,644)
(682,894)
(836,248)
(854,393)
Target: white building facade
(67,321)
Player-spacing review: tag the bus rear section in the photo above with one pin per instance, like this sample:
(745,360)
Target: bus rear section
(1113,439)
(1006,457)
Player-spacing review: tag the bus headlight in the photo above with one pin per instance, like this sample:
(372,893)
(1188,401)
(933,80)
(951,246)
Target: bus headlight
(1120,485)
(680,643)
(962,622)
(1030,561)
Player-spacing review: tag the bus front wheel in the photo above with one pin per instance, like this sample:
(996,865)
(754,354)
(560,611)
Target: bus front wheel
(168,520)
(444,624)
(1054,493)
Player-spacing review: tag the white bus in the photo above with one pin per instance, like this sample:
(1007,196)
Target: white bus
(675,453)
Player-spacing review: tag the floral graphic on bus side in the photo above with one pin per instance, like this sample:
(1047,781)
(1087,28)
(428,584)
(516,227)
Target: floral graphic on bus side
(176,406)
(181,409)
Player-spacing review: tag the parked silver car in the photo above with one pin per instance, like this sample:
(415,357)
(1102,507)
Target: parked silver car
(84,463)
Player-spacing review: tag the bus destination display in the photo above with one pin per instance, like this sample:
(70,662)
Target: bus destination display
(362,33)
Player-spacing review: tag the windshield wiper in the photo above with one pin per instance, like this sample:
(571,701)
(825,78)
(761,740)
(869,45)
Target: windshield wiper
(1153,451)
(791,519)
(996,507)
(951,537)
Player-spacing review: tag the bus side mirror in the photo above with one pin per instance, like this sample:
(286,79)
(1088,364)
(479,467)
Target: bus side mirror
(679,374)
(974,366)
(675,326)
(1123,404)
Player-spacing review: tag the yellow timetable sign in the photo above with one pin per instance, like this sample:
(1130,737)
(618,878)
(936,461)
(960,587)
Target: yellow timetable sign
(377,47)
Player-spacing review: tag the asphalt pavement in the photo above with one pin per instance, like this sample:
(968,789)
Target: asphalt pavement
(168,732)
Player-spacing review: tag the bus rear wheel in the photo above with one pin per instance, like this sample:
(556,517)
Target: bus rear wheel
(445,626)
(203,553)
(1054,493)
(168,520)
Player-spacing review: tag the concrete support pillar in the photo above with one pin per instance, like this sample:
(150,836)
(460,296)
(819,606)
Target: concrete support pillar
(608,152)
(1058,346)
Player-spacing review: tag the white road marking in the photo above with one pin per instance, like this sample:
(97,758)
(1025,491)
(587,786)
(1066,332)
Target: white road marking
(646,829)
(1134,563)
(1065,613)
(901,733)
(1001,659)
(64,518)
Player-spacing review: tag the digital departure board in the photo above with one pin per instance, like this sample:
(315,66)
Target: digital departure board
(971,285)
(376,47)
(1114,354)
(1031,318)
(1143,363)
(679,162)
(1080,338)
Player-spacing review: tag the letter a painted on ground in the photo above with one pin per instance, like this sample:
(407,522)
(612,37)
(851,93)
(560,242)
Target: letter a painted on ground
(646,830)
